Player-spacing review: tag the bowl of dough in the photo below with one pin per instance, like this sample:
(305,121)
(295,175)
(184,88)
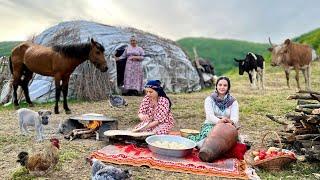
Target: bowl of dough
(170,145)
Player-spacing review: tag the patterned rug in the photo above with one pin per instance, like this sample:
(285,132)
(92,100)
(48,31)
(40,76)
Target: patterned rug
(137,156)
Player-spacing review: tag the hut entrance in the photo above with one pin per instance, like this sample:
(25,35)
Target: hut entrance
(121,64)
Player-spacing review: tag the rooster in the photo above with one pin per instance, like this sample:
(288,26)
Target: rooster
(101,171)
(41,163)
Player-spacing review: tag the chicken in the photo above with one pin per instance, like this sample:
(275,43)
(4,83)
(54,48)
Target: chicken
(101,171)
(41,163)
(117,101)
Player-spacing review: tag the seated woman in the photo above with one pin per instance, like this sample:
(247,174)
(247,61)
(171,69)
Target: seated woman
(220,107)
(155,110)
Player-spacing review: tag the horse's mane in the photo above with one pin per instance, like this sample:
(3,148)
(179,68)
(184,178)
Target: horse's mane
(77,51)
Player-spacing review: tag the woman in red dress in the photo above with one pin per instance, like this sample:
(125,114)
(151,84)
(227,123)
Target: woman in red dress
(155,110)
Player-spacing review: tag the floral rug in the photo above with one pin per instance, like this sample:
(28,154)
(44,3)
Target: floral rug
(138,156)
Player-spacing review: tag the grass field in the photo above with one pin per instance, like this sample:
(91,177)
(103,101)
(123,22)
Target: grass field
(188,112)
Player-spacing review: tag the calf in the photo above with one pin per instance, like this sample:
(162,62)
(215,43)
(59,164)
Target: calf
(253,64)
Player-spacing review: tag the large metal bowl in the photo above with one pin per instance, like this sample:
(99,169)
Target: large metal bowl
(170,152)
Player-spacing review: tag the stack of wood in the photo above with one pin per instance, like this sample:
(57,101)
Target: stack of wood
(302,127)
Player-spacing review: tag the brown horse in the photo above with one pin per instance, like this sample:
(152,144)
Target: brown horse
(58,61)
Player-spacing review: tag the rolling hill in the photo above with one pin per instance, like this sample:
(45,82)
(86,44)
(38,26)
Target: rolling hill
(312,38)
(6,46)
(221,52)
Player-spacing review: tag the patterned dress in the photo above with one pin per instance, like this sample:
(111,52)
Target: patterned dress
(133,74)
(161,113)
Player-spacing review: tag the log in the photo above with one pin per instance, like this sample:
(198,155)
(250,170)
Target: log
(315,119)
(295,117)
(288,137)
(305,97)
(305,131)
(308,143)
(304,110)
(276,119)
(311,106)
(309,92)
(303,102)
(306,136)
(316,97)
(316,111)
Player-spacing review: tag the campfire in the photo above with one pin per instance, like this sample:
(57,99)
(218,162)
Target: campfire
(302,128)
(87,126)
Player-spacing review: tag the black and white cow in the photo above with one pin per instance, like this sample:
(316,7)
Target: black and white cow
(253,64)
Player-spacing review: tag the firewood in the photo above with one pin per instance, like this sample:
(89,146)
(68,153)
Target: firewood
(295,116)
(311,106)
(297,96)
(305,131)
(308,143)
(316,97)
(306,136)
(303,102)
(316,111)
(288,137)
(304,110)
(276,119)
(315,119)
(309,92)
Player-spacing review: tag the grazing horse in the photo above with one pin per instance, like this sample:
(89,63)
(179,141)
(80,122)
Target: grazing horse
(58,61)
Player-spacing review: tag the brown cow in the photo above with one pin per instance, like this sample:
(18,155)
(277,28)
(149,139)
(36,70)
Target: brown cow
(295,56)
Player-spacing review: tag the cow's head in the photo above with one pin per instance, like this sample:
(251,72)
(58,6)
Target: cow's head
(279,53)
(243,65)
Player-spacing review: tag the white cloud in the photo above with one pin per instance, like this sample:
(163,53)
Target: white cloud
(246,19)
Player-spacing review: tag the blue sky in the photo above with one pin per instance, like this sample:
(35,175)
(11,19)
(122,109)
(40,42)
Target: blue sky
(251,20)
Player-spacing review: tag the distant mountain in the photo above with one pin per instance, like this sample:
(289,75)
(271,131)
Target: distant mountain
(221,52)
(6,46)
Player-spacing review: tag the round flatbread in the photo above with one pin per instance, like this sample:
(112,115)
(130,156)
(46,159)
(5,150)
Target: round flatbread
(111,133)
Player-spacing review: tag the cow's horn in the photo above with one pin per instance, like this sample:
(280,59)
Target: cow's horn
(270,42)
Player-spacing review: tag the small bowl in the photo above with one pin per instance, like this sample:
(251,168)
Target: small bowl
(186,132)
(170,152)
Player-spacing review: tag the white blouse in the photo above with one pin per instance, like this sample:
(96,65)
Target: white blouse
(213,112)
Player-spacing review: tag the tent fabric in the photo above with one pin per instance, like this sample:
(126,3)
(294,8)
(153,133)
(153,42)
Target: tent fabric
(164,60)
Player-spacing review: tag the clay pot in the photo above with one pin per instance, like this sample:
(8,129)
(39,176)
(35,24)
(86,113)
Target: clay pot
(221,139)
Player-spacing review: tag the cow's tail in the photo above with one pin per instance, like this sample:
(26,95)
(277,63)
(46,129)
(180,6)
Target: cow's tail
(314,55)
(10,65)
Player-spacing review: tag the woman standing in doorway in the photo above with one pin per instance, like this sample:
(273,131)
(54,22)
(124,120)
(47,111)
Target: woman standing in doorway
(133,75)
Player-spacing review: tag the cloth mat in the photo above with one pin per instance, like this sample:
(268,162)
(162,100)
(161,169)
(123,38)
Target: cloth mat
(138,156)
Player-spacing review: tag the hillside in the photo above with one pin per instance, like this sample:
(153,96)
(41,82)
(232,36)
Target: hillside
(221,52)
(6,46)
(312,38)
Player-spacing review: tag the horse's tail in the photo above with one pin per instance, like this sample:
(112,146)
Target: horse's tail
(10,65)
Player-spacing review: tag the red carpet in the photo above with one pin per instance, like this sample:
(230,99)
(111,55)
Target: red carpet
(136,156)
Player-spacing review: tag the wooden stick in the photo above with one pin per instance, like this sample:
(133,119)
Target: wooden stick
(277,120)
(315,119)
(316,111)
(303,102)
(311,92)
(306,111)
(307,136)
(300,97)
(311,106)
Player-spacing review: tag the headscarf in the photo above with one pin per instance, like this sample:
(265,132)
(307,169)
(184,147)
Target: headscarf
(133,37)
(156,85)
(227,100)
